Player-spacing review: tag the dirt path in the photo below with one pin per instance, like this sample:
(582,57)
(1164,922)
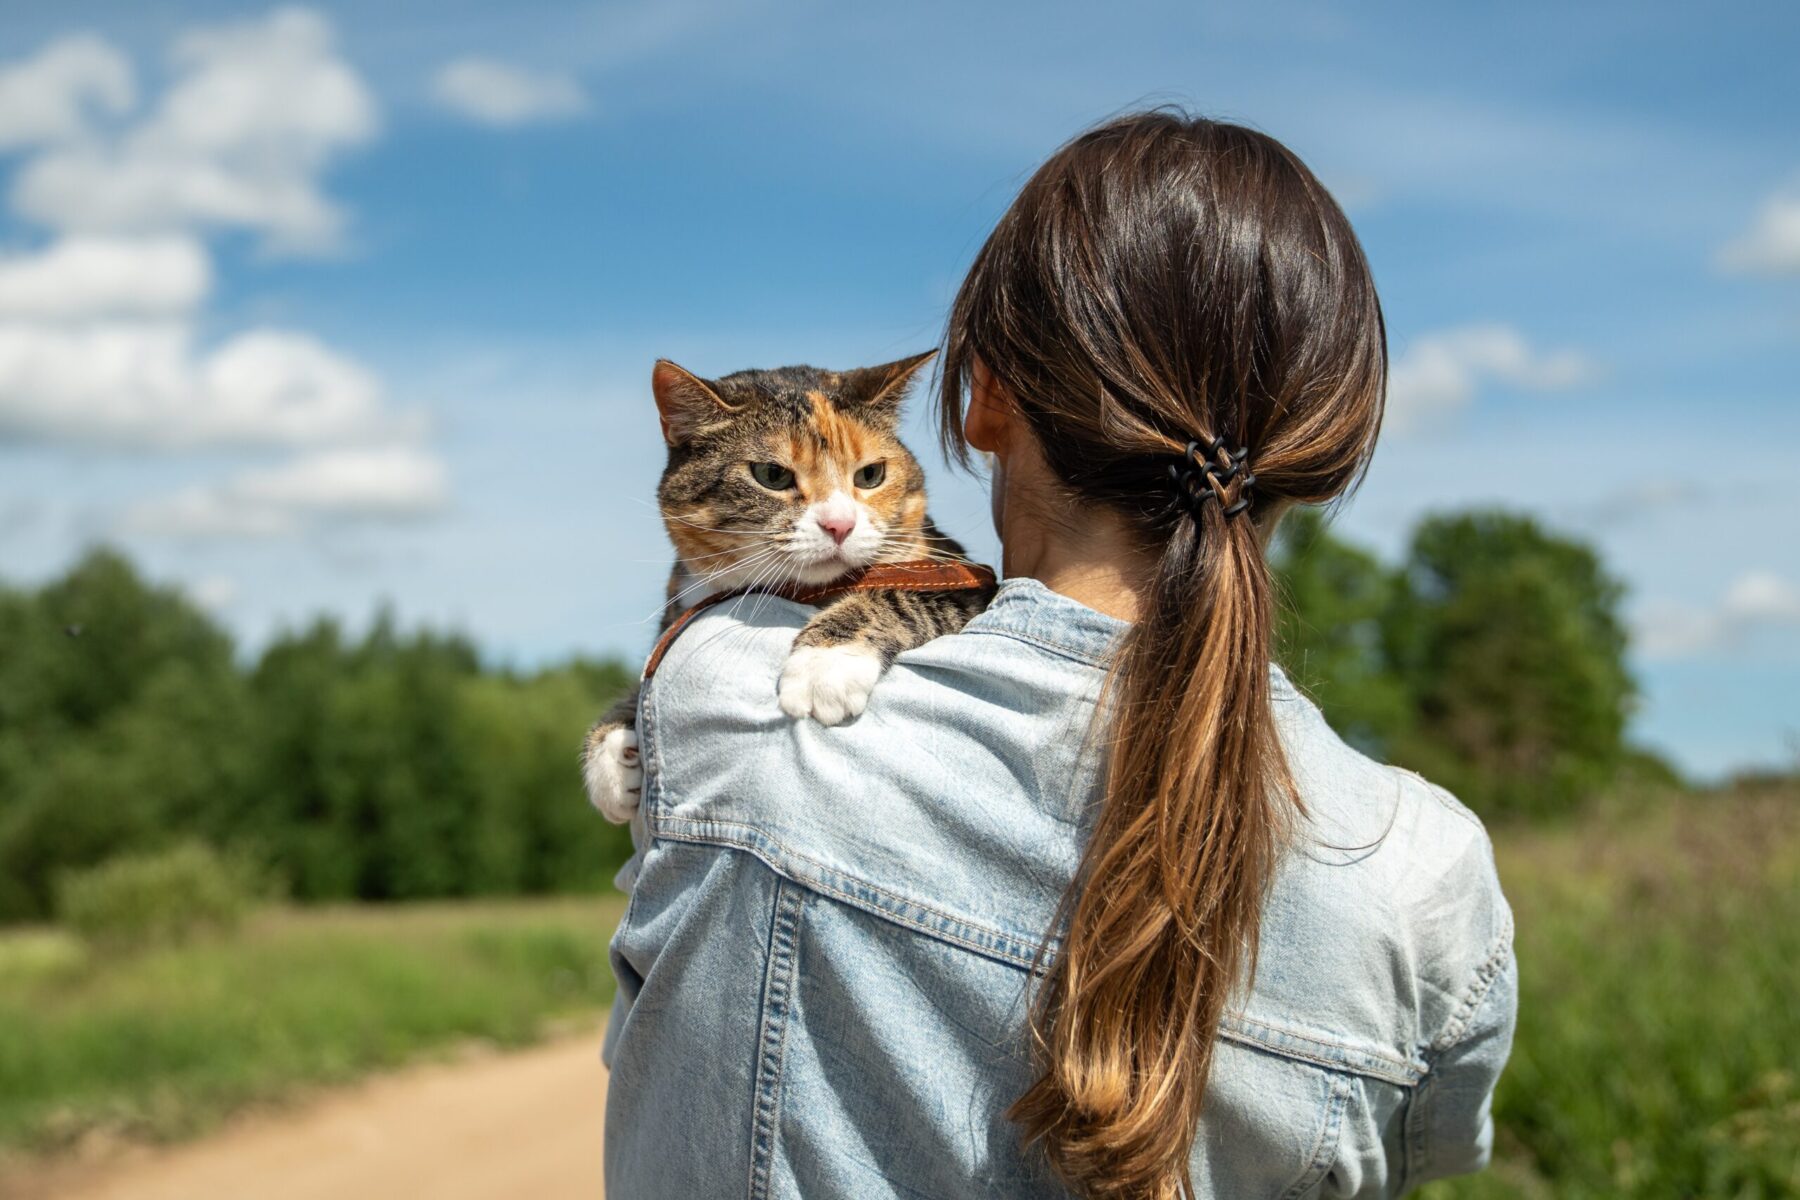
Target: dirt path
(522,1126)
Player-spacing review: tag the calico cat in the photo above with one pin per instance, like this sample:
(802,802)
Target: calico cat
(794,476)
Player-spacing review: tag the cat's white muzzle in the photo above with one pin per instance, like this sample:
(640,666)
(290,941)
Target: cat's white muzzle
(832,537)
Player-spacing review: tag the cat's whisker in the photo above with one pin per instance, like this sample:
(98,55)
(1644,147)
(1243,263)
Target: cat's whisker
(764,566)
(742,637)
(778,541)
(774,579)
(753,562)
(756,559)
(898,547)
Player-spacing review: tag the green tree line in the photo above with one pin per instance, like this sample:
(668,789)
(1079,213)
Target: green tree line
(397,765)
(390,766)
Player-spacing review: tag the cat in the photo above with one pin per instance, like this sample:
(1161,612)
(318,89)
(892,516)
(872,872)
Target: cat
(792,476)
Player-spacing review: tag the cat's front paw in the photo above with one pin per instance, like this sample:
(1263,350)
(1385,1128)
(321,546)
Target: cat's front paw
(612,772)
(830,684)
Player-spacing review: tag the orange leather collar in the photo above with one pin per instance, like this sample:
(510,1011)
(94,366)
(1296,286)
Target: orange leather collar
(916,575)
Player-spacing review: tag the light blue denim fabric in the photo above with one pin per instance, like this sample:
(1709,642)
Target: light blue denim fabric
(823,969)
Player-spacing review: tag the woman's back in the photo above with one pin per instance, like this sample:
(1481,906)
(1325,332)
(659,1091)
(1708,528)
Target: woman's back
(863,1026)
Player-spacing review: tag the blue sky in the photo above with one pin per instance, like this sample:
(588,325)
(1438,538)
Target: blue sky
(312,307)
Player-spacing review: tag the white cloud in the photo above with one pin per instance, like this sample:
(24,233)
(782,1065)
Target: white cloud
(141,384)
(1772,244)
(295,390)
(214,592)
(255,113)
(81,278)
(98,327)
(1762,597)
(1440,373)
(1756,601)
(394,482)
(389,484)
(499,94)
(54,95)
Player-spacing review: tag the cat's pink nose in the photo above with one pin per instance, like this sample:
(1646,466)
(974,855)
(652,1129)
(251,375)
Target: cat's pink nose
(838,527)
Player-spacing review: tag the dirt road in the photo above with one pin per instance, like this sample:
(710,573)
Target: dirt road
(522,1126)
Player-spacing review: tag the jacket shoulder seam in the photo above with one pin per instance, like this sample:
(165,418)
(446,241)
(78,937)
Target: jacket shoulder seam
(1499,954)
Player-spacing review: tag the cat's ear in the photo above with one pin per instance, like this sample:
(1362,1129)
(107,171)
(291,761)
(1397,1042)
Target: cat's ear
(684,401)
(880,389)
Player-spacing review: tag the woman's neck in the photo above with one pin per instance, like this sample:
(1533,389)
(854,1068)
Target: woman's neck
(1088,557)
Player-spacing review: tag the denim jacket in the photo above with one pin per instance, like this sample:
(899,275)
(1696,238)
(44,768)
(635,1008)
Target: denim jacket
(823,970)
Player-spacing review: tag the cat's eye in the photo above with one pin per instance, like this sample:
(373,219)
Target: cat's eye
(871,474)
(773,476)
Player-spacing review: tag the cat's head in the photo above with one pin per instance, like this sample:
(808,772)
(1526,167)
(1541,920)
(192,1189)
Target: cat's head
(794,475)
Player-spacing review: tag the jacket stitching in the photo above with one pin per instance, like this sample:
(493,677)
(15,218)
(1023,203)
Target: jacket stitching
(1457,1027)
(1326,1149)
(1088,658)
(1418,1151)
(1413,1161)
(699,830)
(1405,1072)
(777,1005)
(644,722)
(1349,1060)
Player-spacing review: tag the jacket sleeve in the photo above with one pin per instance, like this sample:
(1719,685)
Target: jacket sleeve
(1450,1123)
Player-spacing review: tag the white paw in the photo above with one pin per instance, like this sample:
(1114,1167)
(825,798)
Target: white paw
(614,777)
(830,684)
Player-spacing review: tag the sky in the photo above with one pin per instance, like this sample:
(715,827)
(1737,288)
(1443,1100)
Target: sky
(312,309)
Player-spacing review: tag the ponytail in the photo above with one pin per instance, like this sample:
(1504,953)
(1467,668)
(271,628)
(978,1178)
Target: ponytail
(1165,278)
(1162,926)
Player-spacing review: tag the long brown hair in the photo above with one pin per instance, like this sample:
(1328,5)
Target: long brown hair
(1164,280)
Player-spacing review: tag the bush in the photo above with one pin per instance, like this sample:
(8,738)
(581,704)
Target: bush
(152,899)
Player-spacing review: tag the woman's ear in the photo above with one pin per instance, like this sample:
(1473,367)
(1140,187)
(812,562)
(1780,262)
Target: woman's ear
(989,420)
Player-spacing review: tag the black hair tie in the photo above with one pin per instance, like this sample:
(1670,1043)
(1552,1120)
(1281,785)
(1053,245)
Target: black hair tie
(1205,470)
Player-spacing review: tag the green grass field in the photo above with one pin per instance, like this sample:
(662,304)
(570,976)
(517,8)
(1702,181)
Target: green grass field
(163,1043)
(1659,945)
(1659,1034)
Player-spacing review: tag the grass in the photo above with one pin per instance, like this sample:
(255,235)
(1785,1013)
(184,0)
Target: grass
(1659,1033)
(165,1042)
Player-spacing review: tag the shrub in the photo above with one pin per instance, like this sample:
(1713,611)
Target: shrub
(150,899)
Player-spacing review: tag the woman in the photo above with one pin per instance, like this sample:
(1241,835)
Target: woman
(1090,900)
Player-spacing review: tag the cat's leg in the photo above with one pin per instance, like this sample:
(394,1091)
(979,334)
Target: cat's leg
(609,761)
(609,753)
(842,652)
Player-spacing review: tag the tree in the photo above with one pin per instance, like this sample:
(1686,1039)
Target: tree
(396,767)
(1508,640)
(120,725)
(87,644)
(1333,598)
